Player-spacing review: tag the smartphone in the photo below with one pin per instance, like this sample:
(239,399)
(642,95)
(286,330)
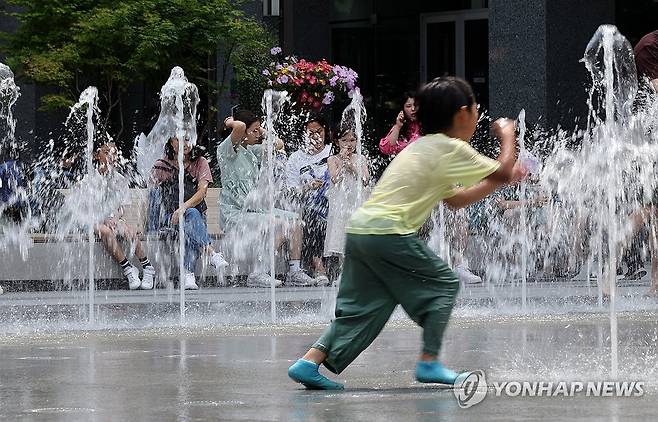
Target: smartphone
(235,109)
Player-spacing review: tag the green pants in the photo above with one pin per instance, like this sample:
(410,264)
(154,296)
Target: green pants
(380,272)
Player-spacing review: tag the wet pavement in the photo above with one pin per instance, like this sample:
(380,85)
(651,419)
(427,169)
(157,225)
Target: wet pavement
(239,373)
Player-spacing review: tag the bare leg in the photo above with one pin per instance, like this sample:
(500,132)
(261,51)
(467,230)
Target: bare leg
(316,356)
(426,357)
(109,239)
(132,235)
(319,265)
(139,249)
(296,242)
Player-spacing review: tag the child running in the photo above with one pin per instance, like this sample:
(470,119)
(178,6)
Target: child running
(385,262)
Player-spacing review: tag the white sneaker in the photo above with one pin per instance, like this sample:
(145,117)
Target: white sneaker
(190,282)
(466,275)
(1,290)
(322,280)
(148,278)
(262,280)
(300,279)
(132,274)
(217,261)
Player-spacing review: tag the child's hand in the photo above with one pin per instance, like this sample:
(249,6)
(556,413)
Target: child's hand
(344,154)
(503,128)
(348,164)
(519,173)
(313,185)
(278,145)
(176,215)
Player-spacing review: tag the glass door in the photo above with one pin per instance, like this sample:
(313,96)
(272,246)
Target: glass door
(457,43)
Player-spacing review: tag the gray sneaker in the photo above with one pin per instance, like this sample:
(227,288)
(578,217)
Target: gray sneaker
(261,280)
(299,279)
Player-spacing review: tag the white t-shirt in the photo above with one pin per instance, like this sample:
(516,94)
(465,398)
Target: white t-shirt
(303,167)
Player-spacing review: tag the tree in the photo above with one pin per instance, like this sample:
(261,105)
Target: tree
(70,44)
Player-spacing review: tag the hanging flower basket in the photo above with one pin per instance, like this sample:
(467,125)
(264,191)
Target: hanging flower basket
(311,85)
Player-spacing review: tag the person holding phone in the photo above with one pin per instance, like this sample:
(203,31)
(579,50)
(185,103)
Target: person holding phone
(405,130)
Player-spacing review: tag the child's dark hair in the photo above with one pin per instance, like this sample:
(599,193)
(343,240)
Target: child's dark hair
(439,100)
(341,130)
(195,152)
(320,119)
(247,117)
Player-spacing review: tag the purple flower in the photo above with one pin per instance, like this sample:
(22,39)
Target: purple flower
(279,67)
(291,68)
(351,92)
(283,79)
(275,50)
(328,98)
(269,83)
(266,72)
(333,81)
(346,75)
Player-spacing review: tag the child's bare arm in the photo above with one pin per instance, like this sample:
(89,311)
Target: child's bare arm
(238,129)
(505,131)
(468,196)
(334,168)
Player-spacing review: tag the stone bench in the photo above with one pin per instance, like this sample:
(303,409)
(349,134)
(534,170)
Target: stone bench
(52,258)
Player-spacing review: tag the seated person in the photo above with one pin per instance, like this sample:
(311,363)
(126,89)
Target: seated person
(244,211)
(307,178)
(196,180)
(114,227)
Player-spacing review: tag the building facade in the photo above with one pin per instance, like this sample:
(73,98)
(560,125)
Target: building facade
(515,53)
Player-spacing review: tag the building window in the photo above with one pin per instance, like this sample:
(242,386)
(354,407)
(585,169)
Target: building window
(271,8)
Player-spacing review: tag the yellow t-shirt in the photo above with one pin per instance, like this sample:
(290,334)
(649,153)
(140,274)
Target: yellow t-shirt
(424,173)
